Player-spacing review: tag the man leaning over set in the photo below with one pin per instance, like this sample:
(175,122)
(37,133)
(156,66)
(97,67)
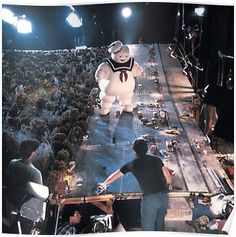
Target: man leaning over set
(153,178)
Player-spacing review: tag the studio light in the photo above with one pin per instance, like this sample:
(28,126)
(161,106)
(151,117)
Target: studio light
(126,12)
(73,19)
(23,25)
(8,16)
(199,11)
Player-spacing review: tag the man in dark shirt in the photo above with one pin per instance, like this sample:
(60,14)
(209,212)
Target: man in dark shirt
(21,171)
(153,178)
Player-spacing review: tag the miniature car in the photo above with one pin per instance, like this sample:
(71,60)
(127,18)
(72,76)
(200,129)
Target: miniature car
(151,105)
(140,104)
(164,154)
(140,114)
(148,138)
(140,86)
(144,120)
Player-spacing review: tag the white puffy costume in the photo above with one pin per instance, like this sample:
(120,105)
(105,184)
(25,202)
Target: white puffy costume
(115,78)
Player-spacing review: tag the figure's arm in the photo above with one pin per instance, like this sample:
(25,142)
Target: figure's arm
(113,177)
(102,72)
(138,70)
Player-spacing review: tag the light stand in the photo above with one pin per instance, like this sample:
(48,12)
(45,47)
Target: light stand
(126,13)
(183,25)
(200,13)
(189,59)
(220,74)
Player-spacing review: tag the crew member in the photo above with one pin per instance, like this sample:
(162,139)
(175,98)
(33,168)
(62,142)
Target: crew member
(20,172)
(153,178)
(71,217)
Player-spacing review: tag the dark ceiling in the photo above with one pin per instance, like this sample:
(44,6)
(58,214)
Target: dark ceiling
(102,23)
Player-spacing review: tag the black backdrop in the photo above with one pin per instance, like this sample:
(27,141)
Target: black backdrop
(153,22)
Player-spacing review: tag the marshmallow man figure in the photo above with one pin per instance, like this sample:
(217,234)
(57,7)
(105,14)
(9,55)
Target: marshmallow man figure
(115,78)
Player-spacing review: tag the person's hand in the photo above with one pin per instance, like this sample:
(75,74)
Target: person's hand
(170,187)
(102,186)
(172,172)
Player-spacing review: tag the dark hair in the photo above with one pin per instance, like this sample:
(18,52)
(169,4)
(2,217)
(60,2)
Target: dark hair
(69,210)
(140,146)
(28,146)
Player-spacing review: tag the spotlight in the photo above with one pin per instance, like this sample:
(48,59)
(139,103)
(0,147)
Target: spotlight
(73,19)
(8,16)
(199,11)
(126,12)
(23,25)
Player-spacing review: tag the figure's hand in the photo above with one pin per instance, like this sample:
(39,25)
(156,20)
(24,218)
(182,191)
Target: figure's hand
(137,70)
(143,74)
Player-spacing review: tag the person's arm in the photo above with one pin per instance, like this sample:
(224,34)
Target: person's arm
(113,177)
(167,175)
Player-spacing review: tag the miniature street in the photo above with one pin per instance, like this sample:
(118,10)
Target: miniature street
(175,138)
(110,137)
(123,122)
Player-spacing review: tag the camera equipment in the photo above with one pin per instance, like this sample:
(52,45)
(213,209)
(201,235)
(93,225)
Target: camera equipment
(101,223)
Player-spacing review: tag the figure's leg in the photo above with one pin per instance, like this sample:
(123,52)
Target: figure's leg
(126,101)
(106,103)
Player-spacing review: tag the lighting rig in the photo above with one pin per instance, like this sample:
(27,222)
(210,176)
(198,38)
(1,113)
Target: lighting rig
(221,71)
(22,24)
(126,13)
(73,18)
(188,59)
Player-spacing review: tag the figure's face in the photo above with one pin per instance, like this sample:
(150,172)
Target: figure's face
(123,56)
